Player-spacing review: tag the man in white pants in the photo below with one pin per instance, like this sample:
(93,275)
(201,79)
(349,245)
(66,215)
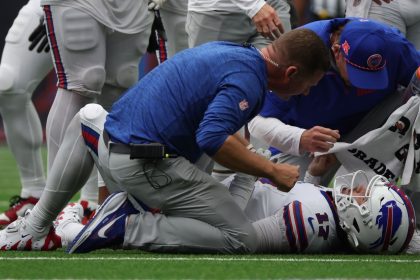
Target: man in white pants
(93,64)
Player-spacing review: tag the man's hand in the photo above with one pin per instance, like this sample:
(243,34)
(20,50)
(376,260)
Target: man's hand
(39,37)
(379,2)
(285,176)
(318,139)
(268,22)
(155,4)
(321,164)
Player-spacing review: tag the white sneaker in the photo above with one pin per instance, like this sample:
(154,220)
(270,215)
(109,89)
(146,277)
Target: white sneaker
(69,223)
(16,237)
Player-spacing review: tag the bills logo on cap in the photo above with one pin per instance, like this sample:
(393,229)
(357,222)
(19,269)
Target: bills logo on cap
(243,105)
(346,47)
(374,61)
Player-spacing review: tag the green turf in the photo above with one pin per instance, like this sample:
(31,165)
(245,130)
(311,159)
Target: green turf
(108,264)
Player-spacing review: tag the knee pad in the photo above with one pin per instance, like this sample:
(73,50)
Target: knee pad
(10,83)
(93,116)
(93,79)
(7,79)
(127,75)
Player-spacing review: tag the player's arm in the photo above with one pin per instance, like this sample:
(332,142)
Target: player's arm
(290,139)
(234,155)
(242,186)
(318,167)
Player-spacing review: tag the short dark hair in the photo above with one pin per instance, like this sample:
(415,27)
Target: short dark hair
(304,48)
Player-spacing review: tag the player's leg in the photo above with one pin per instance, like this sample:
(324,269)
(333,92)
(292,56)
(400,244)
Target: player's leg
(69,172)
(174,16)
(203,27)
(79,56)
(21,71)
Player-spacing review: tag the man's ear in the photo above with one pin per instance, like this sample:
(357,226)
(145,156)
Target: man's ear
(291,71)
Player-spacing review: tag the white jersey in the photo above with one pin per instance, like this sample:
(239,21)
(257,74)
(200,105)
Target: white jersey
(265,201)
(250,7)
(125,16)
(307,218)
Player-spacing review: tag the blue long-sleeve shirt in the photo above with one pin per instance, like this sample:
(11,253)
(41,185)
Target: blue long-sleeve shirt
(194,101)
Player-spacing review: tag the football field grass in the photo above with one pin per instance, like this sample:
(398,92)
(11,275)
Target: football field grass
(109,264)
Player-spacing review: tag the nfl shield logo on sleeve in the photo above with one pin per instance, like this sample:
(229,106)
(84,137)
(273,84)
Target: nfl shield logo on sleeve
(243,105)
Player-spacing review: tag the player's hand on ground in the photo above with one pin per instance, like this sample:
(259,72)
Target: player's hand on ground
(38,38)
(155,4)
(379,2)
(318,139)
(321,164)
(285,176)
(268,22)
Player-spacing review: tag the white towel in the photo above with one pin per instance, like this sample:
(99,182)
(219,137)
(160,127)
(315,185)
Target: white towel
(389,150)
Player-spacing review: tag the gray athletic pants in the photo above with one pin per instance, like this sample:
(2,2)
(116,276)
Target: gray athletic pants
(233,27)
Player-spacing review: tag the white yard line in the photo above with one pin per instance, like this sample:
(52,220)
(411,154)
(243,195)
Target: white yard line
(217,259)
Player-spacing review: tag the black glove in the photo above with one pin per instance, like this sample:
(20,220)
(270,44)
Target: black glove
(39,37)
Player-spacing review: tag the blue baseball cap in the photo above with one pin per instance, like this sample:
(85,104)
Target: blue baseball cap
(364,47)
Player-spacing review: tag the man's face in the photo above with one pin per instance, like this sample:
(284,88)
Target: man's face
(358,194)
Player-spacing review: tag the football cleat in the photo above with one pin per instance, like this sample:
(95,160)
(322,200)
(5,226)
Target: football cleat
(71,214)
(107,228)
(18,206)
(16,237)
(89,209)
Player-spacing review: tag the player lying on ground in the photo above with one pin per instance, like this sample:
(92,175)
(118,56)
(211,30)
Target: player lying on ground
(370,216)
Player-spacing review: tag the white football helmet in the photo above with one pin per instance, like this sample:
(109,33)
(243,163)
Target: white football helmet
(377,216)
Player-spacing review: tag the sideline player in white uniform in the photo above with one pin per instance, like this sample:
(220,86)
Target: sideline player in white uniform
(96,47)
(402,14)
(21,70)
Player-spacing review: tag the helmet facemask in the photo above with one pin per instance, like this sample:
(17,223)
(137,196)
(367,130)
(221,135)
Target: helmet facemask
(373,213)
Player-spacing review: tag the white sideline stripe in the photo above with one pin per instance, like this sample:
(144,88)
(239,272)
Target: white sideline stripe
(208,259)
